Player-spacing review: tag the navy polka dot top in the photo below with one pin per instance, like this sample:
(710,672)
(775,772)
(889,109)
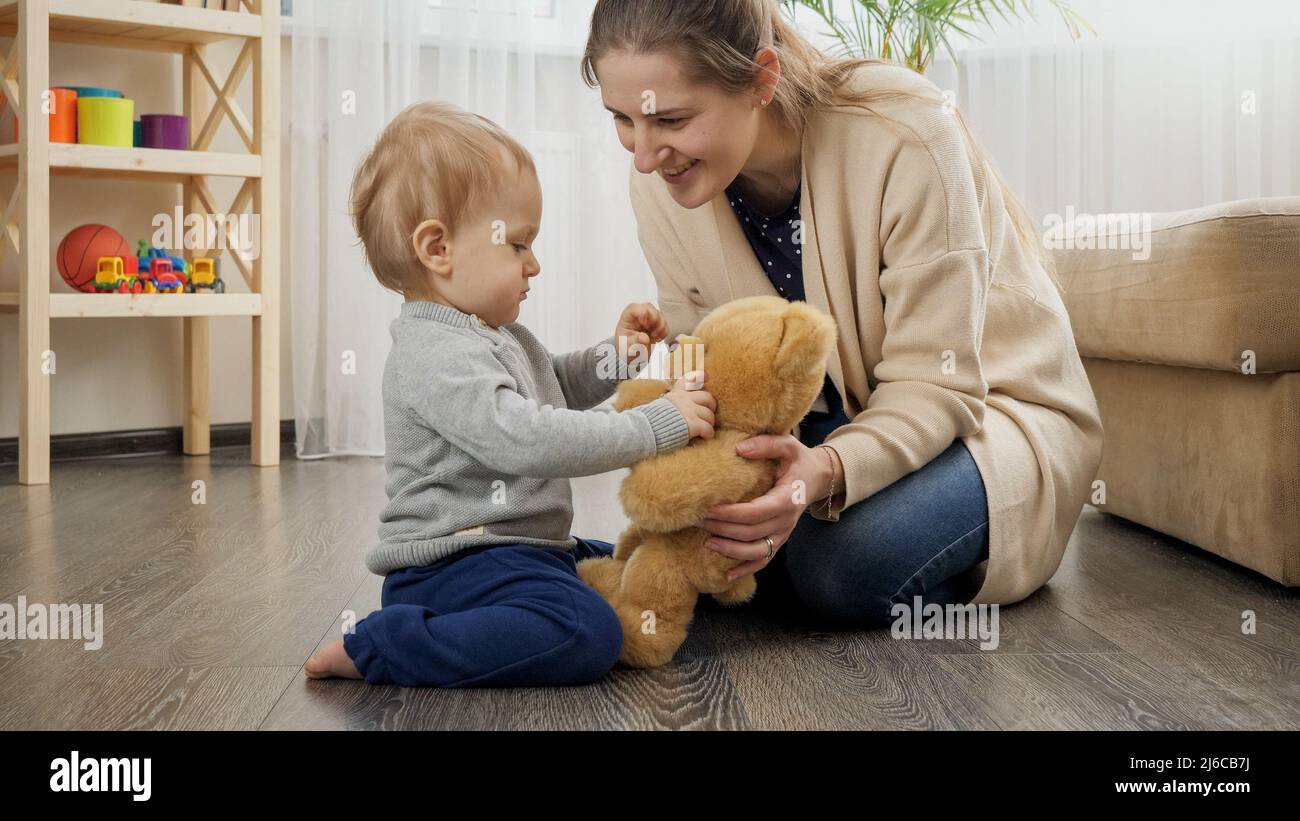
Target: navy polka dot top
(773,237)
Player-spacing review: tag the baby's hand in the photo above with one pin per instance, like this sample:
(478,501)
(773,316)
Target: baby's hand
(696,404)
(640,323)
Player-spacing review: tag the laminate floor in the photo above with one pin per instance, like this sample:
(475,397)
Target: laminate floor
(211,609)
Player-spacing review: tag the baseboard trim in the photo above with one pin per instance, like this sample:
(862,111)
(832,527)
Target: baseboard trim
(115,444)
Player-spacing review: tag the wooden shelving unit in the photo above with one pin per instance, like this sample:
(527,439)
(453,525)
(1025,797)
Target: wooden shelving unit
(186,31)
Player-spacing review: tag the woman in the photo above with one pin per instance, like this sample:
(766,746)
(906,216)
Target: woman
(954,446)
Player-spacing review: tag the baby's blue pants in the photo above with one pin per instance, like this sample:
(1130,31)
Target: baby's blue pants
(495,616)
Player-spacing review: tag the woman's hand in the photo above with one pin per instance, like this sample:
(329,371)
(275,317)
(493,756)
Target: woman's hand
(641,323)
(741,530)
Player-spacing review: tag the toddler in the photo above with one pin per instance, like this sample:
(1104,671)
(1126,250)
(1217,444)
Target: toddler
(483,425)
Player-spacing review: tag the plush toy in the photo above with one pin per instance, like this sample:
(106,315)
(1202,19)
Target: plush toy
(765,360)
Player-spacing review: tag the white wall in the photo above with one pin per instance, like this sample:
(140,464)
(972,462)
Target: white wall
(122,374)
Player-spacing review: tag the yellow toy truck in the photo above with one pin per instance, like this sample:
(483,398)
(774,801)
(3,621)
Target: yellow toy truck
(204,277)
(111,277)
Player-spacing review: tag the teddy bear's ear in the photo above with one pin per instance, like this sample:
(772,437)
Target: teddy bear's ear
(686,357)
(807,336)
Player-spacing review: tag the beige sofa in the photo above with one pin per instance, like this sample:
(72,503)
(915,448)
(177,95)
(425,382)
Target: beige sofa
(1198,446)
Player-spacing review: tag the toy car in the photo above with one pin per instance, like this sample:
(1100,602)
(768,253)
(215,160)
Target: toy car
(161,278)
(204,277)
(111,277)
(146,255)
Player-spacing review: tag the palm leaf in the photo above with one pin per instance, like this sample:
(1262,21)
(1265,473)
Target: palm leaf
(914,31)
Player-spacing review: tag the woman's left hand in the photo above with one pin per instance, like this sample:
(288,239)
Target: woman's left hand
(741,530)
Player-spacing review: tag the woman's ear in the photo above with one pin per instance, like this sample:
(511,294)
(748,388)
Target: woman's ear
(768,74)
(432,243)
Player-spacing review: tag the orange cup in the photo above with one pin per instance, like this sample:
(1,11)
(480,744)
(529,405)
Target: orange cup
(63,116)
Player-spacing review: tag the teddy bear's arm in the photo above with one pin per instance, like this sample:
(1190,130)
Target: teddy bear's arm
(627,542)
(635,392)
(675,490)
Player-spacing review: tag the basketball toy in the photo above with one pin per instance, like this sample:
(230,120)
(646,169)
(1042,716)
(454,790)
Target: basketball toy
(80,250)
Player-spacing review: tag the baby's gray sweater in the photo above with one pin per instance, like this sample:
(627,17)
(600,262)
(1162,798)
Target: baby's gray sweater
(482,425)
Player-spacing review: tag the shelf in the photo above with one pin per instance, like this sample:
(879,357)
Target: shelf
(157,164)
(136,25)
(208,97)
(64,306)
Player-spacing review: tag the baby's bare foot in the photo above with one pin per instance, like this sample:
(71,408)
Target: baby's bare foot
(332,660)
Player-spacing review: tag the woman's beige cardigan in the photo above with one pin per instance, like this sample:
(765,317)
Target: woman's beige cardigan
(946,327)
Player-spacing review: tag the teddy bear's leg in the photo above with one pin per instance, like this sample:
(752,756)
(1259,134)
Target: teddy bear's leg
(602,575)
(627,542)
(649,638)
(709,575)
(739,593)
(655,604)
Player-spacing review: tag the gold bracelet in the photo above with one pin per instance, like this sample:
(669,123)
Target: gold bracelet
(830,495)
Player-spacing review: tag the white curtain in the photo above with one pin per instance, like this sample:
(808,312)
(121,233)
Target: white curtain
(353,67)
(1173,105)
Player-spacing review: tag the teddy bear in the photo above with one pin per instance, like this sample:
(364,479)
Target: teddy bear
(765,363)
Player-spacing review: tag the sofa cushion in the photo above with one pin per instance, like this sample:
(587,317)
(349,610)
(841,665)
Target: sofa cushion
(1219,281)
(1206,456)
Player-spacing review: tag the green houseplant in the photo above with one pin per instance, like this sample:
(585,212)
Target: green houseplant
(912,31)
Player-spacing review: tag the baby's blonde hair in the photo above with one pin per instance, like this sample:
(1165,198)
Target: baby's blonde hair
(433,161)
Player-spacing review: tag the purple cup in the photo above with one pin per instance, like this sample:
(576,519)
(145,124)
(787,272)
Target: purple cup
(165,131)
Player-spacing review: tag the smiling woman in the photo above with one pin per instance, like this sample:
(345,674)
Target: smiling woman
(957,435)
(694,134)
(738,58)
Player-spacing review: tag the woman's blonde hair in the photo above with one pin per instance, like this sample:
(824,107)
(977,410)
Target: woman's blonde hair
(716,42)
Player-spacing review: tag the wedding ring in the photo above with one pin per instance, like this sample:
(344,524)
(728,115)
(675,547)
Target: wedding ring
(771,548)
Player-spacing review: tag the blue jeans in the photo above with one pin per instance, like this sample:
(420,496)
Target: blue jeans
(920,536)
(495,616)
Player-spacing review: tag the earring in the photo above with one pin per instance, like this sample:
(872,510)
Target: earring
(764,102)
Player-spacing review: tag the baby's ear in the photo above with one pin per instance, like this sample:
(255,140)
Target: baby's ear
(431,241)
(686,357)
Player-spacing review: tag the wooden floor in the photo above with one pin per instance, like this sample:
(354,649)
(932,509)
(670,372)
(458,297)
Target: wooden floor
(211,609)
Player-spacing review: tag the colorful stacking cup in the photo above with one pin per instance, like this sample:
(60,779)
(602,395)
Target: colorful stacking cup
(93,91)
(63,116)
(106,121)
(165,131)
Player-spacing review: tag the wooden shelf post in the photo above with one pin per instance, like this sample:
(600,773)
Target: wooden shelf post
(266,267)
(196,335)
(36,359)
